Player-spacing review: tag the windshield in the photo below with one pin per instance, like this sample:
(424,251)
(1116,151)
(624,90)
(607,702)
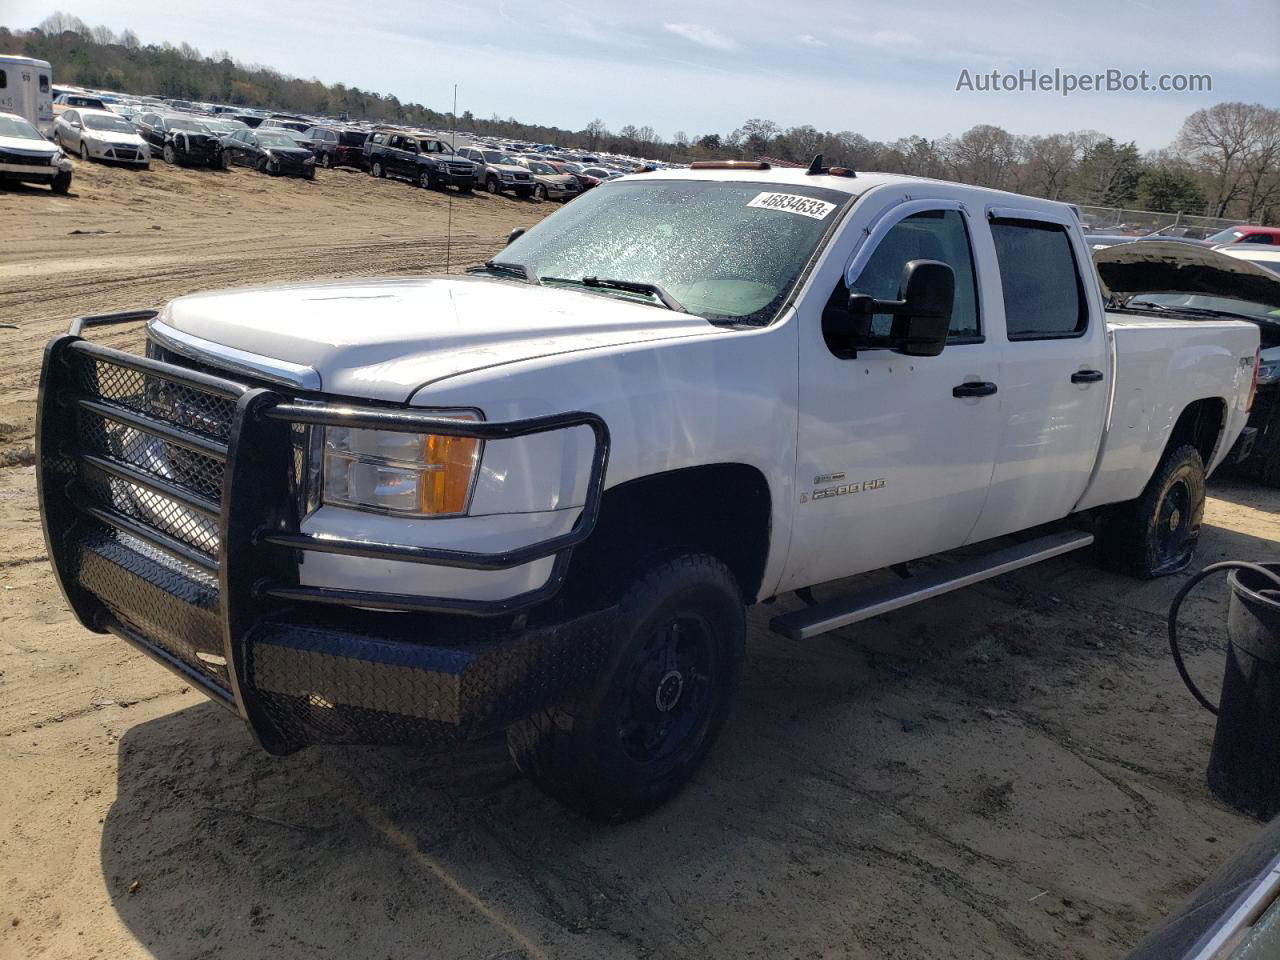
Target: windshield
(17,127)
(276,140)
(495,156)
(225,126)
(542,168)
(97,121)
(1229,235)
(191,125)
(726,251)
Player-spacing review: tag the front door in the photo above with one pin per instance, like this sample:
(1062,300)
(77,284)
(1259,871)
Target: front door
(894,452)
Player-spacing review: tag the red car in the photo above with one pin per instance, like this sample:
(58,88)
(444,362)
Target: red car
(1247,233)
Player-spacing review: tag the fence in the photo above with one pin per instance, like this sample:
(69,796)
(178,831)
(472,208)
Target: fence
(1123,220)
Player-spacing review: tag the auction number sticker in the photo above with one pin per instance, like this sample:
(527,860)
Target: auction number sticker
(793,203)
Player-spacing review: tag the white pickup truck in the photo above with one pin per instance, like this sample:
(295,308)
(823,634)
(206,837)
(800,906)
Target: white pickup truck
(539,497)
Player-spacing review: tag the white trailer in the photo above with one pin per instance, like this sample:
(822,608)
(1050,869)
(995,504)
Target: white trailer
(26,89)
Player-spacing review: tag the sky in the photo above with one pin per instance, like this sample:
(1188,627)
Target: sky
(881,68)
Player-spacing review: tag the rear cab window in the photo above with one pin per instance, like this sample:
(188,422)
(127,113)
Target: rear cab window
(1044,296)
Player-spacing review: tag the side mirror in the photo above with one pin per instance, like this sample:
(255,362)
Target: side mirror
(515,235)
(920,319)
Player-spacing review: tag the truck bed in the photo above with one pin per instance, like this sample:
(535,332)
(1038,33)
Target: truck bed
(1162,364)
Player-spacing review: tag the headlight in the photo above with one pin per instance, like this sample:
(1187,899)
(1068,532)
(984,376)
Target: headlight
(405,473)
(1268,372)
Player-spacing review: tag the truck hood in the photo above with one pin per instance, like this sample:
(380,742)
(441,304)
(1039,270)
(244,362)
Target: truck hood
(1165,266)
(383,339)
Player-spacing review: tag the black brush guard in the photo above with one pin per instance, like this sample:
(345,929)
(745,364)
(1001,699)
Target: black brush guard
(170,503)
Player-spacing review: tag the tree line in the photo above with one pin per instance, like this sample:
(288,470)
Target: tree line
(1224,162)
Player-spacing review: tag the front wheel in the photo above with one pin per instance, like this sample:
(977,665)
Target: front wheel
(377,170)
(424,180)
(170,155)
(539,193)
(325,161)
(84,151)
(1156,534)
(631,740)
(226,159)
(464,188)
(61,182)
(492,186)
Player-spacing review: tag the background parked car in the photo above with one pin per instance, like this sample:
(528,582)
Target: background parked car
(1247,233)
(550,183)
(499,172)
(585,181)
(338,147)
(268,151)
(426,161)
(27,156)
(181,139)
(100,135)
(68,100)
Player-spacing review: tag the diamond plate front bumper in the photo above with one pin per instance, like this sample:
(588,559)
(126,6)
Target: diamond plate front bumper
(169,503)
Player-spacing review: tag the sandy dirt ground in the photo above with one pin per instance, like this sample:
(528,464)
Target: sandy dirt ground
(1011,771)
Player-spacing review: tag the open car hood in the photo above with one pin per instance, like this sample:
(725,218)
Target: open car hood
(1165,266)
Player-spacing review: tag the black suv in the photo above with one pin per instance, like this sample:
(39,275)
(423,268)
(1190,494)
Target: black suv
(181,139)
(426,161)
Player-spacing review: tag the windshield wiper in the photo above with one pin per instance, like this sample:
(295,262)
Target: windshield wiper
(508,269)
(1206,312)
(630,286)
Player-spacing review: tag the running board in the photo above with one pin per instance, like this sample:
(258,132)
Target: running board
(834,614)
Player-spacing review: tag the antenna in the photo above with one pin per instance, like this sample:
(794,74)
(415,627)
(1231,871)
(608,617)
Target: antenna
(453,148)
(815,168)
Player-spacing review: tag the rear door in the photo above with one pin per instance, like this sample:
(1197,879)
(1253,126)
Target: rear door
(1055,377)
(895,452)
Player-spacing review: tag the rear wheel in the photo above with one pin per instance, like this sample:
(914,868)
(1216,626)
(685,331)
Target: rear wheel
(1156,534)
(632,739)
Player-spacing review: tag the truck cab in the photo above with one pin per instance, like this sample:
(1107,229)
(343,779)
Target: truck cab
(538,497)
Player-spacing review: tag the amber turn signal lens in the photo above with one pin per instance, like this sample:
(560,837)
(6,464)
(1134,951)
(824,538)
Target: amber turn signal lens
(443,487)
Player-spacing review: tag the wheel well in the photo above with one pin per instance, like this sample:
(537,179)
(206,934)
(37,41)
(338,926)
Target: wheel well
(1200,425)
(722,509)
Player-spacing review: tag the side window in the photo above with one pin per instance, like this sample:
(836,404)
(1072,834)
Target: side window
(928,235)
(1257,238)
(1043,296)
(4,79)
(44,83)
